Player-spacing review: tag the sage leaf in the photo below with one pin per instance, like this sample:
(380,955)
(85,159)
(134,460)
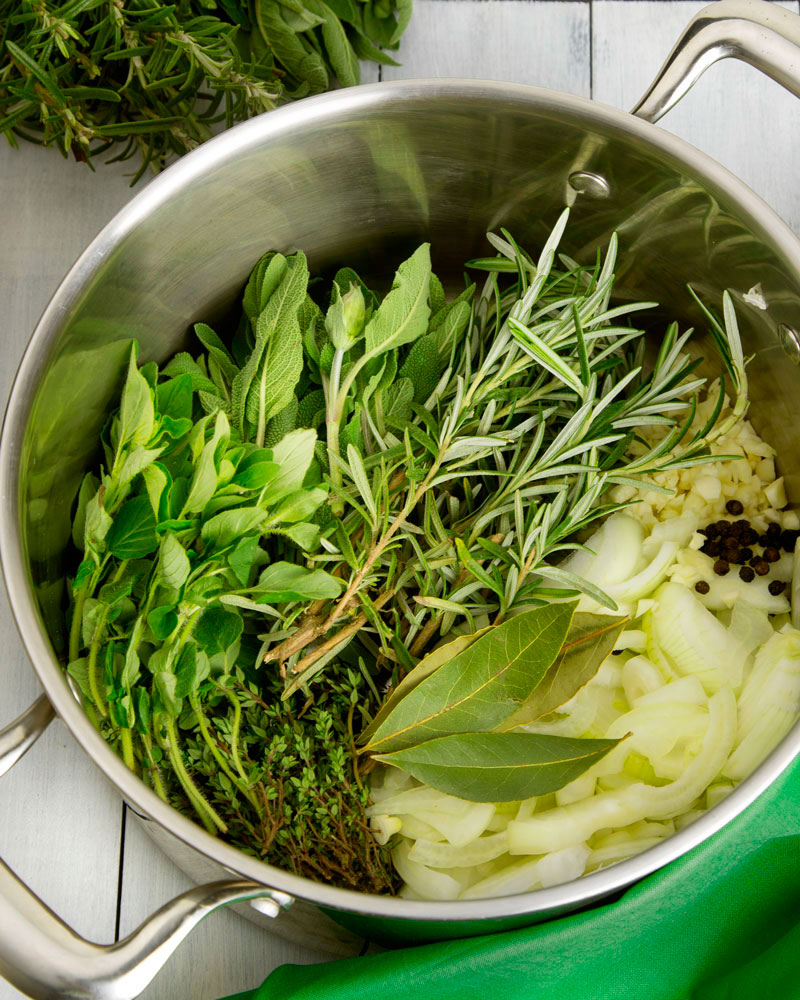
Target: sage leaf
(590,640)
(499,767)
(343,59)
(133,533)
(283,581)
(217,350)
(184,364)
(403,315)
(264,279)
(481,686)
(266,382)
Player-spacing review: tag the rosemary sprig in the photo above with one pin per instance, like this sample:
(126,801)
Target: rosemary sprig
(153,78)
(460,512)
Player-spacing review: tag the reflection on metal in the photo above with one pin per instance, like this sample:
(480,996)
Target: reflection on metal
(23,732)
(593,185)
(790,342)
(763,34)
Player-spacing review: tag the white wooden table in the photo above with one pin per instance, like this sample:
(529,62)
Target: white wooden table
(62,827)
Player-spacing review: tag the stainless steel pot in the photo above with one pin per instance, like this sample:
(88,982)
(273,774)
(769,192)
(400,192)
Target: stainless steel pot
(361,175)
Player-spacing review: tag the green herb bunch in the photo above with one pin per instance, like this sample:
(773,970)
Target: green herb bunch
(155,78)
(284,526)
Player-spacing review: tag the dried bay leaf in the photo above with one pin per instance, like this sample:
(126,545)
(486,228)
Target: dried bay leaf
(499,767)
(426,666)
(481,686)
(590,640)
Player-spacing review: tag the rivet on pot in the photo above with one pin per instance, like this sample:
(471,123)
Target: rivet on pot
(790,342)
(267,907)
(585,182)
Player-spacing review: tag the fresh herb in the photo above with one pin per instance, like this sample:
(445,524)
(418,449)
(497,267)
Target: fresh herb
(285,527)
(154,78)
(499,767)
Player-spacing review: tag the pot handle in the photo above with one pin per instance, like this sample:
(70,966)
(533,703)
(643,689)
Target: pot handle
(45,959)
(763,34)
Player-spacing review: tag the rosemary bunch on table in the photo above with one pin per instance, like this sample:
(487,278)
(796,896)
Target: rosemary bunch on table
(153,79)
(283,526)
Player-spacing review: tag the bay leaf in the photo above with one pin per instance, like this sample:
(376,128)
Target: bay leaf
(426,666)
(589,641)
(480,687)
(499,767)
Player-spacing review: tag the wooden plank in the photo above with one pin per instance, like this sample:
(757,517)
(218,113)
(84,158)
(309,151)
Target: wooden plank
(225,954)
(744,120)
(542,44)
(59,819)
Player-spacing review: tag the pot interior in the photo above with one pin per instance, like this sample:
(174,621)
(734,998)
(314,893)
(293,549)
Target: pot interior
(361,177)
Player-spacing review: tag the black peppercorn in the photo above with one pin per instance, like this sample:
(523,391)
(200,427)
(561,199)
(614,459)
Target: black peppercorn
(788,540)
(741,525)
(710,548)
(721,567)
(710,531)
(763,540)
(746,554)
(748,537)
(761,567)
(702,587)
(771,554)
(773,531)
(734,556)
(776,587)
(734,507)
(747,574)
(723,527)
(730,542)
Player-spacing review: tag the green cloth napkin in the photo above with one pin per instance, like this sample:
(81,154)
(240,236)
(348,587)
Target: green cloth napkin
(721,923)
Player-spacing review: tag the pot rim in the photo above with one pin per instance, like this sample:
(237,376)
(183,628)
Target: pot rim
(211,155)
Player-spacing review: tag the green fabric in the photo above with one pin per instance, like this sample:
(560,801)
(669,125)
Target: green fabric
(721,923)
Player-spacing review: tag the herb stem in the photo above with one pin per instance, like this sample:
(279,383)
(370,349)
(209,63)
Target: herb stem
(154,770)
(202,721)
(204,809)
(94,650)
(126,742)
(77,620)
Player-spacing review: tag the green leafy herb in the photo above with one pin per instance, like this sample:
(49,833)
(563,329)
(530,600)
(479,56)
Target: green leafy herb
(482,685)
(153,80)
(499,767)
